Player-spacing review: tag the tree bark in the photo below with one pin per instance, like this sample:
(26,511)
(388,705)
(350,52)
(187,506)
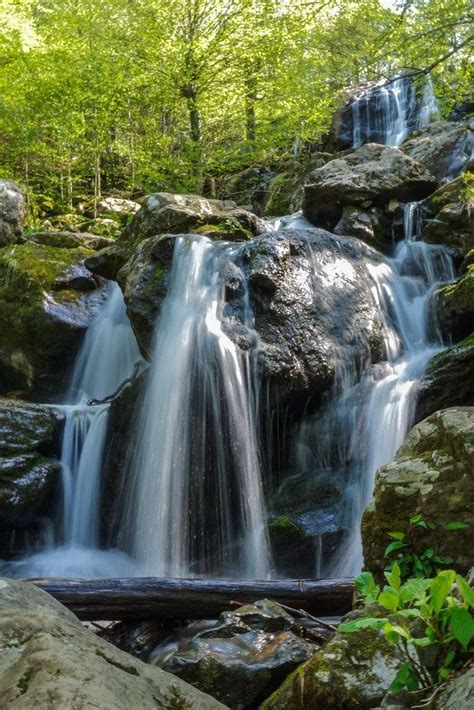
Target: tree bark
(151,597)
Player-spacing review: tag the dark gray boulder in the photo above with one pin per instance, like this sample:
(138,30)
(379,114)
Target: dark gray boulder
(12,213)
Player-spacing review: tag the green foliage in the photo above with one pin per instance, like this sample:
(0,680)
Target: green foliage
(152,95)
(406,553)
(429,618)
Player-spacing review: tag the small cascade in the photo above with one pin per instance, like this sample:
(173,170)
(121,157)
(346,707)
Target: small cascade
(106,358)
(388,113)
(370,407)
(196,500)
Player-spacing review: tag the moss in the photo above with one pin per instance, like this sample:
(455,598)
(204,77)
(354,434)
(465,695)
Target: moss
(280,193)
(285,527)
(456,306)
(445,358)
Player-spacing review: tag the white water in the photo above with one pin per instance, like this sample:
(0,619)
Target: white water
(369,416)
(195,481)
(387,113)
(105,360)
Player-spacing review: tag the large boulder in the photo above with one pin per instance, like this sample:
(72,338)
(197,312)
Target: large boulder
(165,213)
(12,213)
(370,225)
(449,380)
(51,660)
(455,306)
(311,296)
(452,225)
(352,672)
(371,175)
(443,148)
(29,468)
(432,474)
(242,658)
(47,301)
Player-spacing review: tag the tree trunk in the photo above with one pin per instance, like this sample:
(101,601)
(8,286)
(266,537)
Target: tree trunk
(150,597)
(250,100)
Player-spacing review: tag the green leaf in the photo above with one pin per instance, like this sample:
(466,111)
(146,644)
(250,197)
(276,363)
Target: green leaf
(466,591)
(397,535)
(349,627)
(462,626)
(389,599)
(442,560)
(393,577)
(416,519)
(456,526)
(397,545)
(405,678)
(422,642)
(440,588)
(409,613)
(414,588)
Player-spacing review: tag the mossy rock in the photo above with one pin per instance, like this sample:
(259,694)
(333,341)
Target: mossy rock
(452,225)
(455,306)
(432,474)
(449,380)
(40,329)
(352,672)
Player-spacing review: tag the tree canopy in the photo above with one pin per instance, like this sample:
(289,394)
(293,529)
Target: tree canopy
(143,95)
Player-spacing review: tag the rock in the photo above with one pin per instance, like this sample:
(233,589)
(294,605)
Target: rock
(371,226)
(70,240)
(459,692)
(164,213)
(44,313)
(452,224)
(432,474)
(103,226)
(242,658)
(118,206)
(247,187)
(455,307)
(352,671)
(12,213)
(443,148)
(50,659)
(30,436)
(371,175)
(311,295)
(449,380)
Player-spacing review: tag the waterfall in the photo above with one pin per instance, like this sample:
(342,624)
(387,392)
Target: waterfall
(387,113)
(105,360)
(369,414)
(196,500)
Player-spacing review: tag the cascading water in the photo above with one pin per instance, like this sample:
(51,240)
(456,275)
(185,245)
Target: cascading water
(196,492)
(106,359)
(387,113)
(366,417)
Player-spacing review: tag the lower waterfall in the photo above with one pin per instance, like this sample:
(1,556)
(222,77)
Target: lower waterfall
(366,417)
(105,360)
(196,499)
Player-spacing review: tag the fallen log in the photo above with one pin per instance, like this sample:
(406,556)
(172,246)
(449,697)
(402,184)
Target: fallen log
(153,597)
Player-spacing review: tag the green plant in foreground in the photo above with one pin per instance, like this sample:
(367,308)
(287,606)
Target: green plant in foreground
(429,613)
(430,620)
(405,551)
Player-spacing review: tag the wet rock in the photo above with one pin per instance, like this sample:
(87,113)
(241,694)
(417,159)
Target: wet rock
(371,226)
(242,658)
(50,659)
(455,307)
(443,148)
(352,671)
(311,295)
(449,380)
(44,312)
(432,474)
(12,213)
(30,436)
(459,692)
(165,213)
(370,175)
(452,223)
